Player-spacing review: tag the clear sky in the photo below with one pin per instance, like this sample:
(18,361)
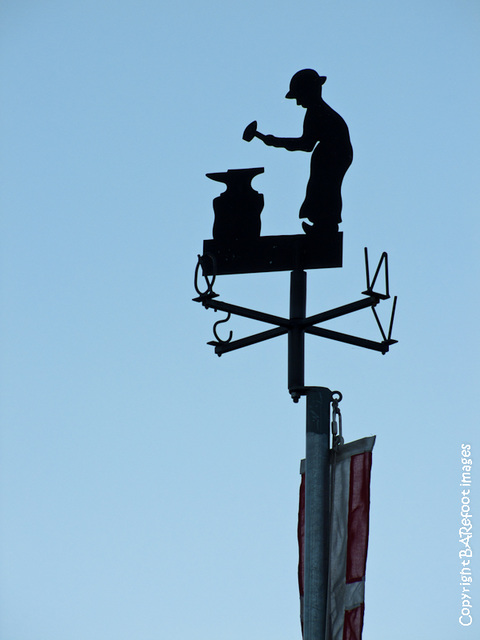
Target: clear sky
(148,488)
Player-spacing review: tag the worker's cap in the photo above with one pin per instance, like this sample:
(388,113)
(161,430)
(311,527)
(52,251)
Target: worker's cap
(305,81)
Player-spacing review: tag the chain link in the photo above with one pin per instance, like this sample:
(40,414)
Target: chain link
(337,435)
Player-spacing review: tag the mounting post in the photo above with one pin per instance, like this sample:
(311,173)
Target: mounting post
(296,333)
(317,513)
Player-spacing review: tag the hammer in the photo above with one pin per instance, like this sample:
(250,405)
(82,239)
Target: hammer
(251,132)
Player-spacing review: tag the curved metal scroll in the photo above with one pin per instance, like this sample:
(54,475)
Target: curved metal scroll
(210,282)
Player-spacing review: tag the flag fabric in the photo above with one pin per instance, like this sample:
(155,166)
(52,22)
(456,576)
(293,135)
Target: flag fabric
(349,521)
(349,518)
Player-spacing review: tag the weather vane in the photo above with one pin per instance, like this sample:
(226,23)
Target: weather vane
(331,576)
(238,246)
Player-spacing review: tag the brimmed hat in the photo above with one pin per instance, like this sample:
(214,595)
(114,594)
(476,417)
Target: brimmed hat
(304,81)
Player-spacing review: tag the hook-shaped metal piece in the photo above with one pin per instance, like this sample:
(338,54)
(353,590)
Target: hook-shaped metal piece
(215,330)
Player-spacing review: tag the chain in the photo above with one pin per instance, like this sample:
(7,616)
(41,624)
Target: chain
(337,436)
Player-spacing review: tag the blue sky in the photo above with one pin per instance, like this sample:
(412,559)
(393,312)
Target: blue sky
(149,488)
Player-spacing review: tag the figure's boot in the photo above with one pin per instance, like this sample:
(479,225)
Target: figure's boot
(308,228)
(319,229)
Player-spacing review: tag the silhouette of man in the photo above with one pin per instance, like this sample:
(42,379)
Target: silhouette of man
(326,134)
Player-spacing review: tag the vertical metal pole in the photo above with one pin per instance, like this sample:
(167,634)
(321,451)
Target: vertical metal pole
(317,513)
(296,335)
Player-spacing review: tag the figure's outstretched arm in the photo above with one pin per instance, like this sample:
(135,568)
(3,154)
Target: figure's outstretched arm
(304,143)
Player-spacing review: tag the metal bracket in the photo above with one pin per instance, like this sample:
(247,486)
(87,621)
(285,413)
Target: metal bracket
(306,324)
(298,324)
(383,296)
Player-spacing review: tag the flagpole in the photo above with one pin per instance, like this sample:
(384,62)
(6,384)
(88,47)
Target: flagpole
(317,513)
(296,333)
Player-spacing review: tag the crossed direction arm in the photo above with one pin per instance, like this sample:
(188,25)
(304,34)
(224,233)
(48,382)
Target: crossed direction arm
(284,325)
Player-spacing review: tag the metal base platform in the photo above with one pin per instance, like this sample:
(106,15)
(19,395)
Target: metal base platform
(273,253)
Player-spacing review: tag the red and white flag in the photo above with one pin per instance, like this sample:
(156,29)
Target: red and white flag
(349,518)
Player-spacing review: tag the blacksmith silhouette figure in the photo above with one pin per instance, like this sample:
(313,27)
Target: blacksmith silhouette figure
(326,134)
